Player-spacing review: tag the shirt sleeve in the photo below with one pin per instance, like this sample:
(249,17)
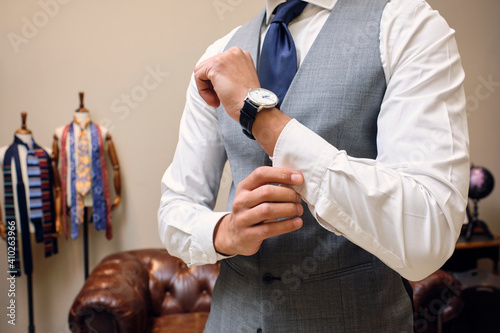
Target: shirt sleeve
(190,185)
(408,205)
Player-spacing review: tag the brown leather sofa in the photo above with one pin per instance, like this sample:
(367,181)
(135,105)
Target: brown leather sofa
(150,291)
(144,291)
(437,301)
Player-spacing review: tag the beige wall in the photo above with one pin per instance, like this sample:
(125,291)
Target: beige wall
(108,49)
(478,35)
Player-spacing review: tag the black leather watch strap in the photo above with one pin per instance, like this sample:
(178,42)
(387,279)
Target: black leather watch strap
(247,118)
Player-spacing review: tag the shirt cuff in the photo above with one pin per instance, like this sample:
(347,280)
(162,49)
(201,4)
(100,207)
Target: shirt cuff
(300,149)
(202,250)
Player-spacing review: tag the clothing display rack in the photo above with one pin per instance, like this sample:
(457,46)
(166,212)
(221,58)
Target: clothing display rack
(31,322)
(86,213)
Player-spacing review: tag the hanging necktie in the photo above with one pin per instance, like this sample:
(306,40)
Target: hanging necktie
(101,212)
(278,58)
(83,180)
(41,200)
(35,191)
(12,163)
(48,204)
(38,201)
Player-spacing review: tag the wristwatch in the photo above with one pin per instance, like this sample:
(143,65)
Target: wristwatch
(256,100)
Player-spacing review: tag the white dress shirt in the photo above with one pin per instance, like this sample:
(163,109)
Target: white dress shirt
(406,207)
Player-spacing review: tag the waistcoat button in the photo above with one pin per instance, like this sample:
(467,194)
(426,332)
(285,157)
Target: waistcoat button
(268,278)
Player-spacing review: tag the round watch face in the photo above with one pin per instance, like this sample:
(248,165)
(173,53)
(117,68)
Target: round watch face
(262,97)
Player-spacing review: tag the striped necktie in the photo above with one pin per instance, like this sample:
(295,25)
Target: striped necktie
(38,201)
(35,189)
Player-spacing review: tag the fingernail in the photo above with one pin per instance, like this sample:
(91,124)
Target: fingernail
(296,178)
(297,222)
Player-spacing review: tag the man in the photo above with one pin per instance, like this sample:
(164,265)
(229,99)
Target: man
(371,137)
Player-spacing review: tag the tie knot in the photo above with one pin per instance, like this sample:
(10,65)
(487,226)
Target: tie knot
(82,123)
(289,10)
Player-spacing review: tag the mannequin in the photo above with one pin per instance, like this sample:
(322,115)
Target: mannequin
(25,135)
(31,190)
(82,115)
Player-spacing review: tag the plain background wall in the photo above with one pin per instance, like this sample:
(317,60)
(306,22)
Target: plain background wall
(52,49)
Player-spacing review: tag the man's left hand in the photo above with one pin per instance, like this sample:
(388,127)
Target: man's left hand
(226,78)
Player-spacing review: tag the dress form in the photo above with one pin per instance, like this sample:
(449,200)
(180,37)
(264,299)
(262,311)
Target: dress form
(21,158)
(26,136)
(82,115)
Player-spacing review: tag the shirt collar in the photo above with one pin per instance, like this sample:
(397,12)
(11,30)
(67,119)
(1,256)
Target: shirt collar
(272,4)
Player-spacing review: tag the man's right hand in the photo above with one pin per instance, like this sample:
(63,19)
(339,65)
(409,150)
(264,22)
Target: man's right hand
(257,206)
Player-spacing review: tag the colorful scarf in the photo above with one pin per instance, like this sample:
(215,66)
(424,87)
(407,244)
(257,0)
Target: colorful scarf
(44,230)
(101,213)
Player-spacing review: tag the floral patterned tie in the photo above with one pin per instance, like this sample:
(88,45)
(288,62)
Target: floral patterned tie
(83,181)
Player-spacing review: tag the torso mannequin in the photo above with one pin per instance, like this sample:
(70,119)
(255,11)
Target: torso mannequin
(58,134)
(25,136)
(22,157)
(82,115)
(34,206)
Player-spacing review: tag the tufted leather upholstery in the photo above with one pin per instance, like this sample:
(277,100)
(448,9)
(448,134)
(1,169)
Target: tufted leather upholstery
(437,300)
(151,291)
(144,291)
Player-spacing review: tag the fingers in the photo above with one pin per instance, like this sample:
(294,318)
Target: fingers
(225,79)
(231,240)
(270,193)
(264,231)
(268,211)
(269,175)
(205,86)
(257,201)
(260,211)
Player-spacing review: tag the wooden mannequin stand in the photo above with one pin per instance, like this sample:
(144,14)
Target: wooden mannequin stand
(31,321)
(86,216)
(116,180)
(86,213)
(31,327)
(23,131)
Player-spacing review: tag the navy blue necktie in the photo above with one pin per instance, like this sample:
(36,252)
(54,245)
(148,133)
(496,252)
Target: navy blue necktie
(278,59)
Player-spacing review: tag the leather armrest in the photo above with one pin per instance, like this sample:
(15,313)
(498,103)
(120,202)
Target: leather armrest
(115,298)
(436,299)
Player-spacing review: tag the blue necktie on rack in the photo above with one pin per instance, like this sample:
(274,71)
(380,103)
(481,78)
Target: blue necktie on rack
(35,183)
(35,191)
(278,59)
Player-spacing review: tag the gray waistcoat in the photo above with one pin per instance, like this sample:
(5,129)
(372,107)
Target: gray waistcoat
(311,280)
